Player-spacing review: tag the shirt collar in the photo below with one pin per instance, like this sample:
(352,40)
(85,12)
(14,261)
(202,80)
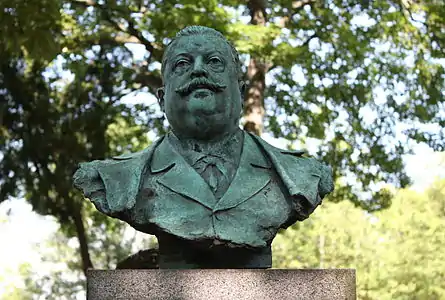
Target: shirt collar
(165,155)
(228,149)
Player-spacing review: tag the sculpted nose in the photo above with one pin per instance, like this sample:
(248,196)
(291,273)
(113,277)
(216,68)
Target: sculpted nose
(199,68)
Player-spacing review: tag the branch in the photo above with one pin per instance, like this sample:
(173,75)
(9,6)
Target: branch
(297,6)
(76,216)
(119,39)
(306,43)
(405,9)
(85,2)
(105,39)
(130,29)
(257,10)
(134,32)
(149,79)
(93,3)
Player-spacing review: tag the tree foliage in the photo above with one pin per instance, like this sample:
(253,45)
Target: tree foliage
(361,80)
(58,273)
(397,252)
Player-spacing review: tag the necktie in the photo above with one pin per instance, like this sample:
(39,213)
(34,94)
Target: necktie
(212,169)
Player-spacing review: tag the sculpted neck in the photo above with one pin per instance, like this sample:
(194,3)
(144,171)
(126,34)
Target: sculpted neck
(208,145)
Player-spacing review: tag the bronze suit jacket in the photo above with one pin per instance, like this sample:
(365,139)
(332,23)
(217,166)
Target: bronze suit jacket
(156,191)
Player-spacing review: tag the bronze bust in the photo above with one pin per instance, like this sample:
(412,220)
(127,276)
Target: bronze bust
(214,195)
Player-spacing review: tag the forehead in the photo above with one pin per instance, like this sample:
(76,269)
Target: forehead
(197,44)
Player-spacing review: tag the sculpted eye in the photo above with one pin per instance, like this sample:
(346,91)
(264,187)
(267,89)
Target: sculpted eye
(181,63)
(215,61)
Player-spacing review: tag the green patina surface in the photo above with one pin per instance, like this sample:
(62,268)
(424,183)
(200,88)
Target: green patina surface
(214,195)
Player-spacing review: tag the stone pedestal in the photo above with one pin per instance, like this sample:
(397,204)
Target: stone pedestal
(222,284)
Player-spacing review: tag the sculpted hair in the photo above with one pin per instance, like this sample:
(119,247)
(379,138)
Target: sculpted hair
(202,30)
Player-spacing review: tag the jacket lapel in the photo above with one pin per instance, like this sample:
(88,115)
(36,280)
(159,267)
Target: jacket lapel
(178,176)
(250,178)
(301,176)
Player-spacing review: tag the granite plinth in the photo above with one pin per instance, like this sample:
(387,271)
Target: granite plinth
(222,284)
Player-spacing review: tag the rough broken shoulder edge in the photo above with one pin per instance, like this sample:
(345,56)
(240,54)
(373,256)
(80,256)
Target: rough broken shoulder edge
(110,196)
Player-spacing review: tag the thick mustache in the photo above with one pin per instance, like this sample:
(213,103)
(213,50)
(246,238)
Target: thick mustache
(200,83)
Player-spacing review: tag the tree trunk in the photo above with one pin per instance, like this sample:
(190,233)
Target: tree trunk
(256,76)
(321,242)
(81,236)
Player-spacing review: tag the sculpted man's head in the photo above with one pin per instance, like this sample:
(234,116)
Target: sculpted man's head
(203,91)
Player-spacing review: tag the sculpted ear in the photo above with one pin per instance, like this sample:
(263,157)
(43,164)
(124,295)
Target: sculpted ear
(242,88)
(160,94)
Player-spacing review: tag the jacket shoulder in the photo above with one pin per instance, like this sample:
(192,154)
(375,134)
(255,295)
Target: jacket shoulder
(270,148)
(296,169)
(131,155)
(112,184)
(88,172)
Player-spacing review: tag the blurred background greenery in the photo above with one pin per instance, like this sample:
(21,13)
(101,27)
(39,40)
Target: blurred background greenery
(358,84)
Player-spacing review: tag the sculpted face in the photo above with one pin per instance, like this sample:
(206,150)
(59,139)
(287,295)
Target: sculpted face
(202,96)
